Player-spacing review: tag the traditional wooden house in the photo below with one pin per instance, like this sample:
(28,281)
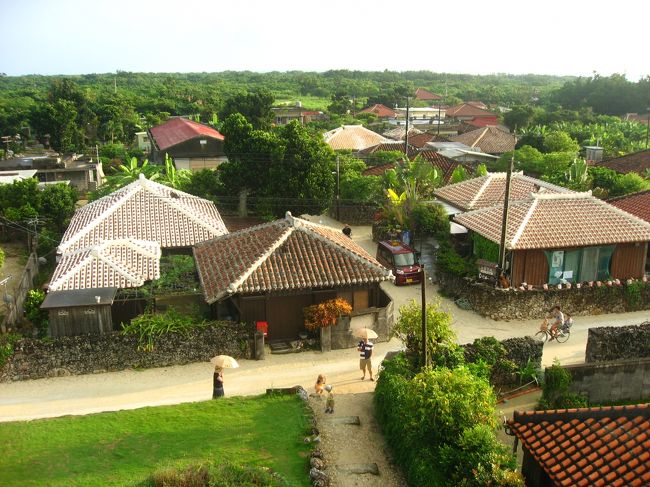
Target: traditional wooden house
(192,145)
(116,243)
(607,446)
(271,272)
(473,114)
(564,238)
(637,204)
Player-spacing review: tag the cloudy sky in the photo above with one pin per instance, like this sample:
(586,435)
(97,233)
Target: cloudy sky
(567,37)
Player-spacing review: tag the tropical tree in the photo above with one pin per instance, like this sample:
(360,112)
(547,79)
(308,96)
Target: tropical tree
(173,177)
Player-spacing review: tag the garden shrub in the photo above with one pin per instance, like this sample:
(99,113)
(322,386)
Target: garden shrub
(326,313)
(222,474)
(555,391)
(34,313)
(431,220)
(451,262)
(177,273)
(7,346)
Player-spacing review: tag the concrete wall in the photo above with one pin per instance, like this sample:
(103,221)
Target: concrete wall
(608,382)
(342,335)
(514,304)
(89,354)
(619,343)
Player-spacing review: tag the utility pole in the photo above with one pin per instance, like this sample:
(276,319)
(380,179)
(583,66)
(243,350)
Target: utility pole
(338,191)
(504,221)
(647,128)
(406,135)
(424,319)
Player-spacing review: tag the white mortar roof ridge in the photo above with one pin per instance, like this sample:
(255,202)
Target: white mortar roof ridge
(523,224)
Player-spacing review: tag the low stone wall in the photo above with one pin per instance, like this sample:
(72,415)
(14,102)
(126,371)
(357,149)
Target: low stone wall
(514,304)
(342,335)
(519,350)
(618,343)
(608,382)
(89,354)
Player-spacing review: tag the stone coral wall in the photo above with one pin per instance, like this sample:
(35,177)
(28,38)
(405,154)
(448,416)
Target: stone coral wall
(89,354)
(514,304)
(354,214)
(624,342)
(608,382)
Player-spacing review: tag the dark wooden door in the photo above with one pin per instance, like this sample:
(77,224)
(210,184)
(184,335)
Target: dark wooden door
(285,316)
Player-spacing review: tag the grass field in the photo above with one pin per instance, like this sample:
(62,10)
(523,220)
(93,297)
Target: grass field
(126,447)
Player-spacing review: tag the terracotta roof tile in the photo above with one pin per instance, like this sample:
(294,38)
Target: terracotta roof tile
(489,190)
(445,165)
(468,110)
(491,140)
(638,204)
(380,110)
(354,137)
(378,170)
(420,140)
(398,133)
(115,263)
(391,145)
(144,210)
(422,94)
(284,255)
(613,444)
(637,162)
(179,130)
(533,223)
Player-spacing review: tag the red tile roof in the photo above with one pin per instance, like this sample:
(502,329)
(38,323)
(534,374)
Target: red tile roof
(378,170)
(551,221)
(420,140)
(444,165)
(491,140)
(422,94)
(144,210)
(467,110)
(115,263)
(637,162)
(637,204)
(354,137)
(399,132)
(179,130)
(608,446)
(391,145)
(382,111)
(284,255)
(489,190)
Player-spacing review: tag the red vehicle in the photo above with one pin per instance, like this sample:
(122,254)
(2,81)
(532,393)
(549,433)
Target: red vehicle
(400,258)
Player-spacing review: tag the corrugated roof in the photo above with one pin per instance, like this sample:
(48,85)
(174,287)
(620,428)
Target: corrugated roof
(354,137)
(284,255)
(79,297)
(121,263)
(551,221)
(144,210)
(489,190)
(605,446)
(179,130)
(491,140)
(637,204)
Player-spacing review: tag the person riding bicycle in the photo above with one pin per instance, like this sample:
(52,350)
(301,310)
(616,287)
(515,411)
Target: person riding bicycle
(558,321)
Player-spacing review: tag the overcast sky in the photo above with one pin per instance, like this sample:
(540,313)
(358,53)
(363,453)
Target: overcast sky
(567,37)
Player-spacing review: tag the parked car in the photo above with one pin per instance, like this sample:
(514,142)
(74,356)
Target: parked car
(401,259)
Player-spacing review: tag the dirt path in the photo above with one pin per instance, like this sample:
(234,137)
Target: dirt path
(354,447)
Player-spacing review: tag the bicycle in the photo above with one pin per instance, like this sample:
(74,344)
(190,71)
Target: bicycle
(544,333)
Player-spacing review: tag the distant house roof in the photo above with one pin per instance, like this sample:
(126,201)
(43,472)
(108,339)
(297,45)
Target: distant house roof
(420,140)
(378,170)
(603,446)
(422,94)
(284,255)
(637,162)
(489,190)
(398,133)
(444,165)
(478,104)
(120,263)
(468,110)
(382,111)
(549,221)
(8,177)
(637,204)
(144,210)
(79,297)
(490,140)
(353,137)
(177,130)
(391,145)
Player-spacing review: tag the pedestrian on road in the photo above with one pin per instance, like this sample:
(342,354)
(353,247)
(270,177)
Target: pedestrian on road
(329,405)
(365,360)
(217,383)
(347,231)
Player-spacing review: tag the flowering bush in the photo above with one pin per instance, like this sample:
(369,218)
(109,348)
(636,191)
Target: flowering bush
(326,313)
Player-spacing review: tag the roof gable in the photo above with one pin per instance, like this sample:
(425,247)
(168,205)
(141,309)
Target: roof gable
(550,221)
(178,130)
(382,111)
(589,446)
(491,140)
(144,210)
(287,254)
(422,94)
(354,137)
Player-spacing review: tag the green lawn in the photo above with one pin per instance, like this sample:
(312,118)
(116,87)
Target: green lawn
(125,447)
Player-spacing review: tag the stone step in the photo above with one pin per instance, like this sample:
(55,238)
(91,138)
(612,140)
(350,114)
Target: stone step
(358,468)
(344,420)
